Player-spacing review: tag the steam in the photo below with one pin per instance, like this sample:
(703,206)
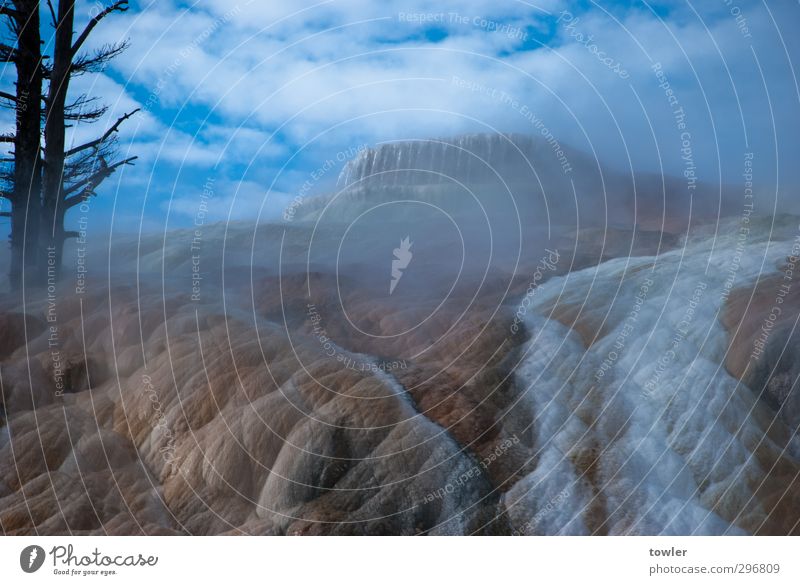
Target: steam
(672,427)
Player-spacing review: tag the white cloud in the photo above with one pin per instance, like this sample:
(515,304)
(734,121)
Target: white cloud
(326,75)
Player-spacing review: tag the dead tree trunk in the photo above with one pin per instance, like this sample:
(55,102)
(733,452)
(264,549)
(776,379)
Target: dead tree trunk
(26,177)
(42,190)
(55,134)
(71,176)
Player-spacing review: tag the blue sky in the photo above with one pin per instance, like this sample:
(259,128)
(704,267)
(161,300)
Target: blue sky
(257,95)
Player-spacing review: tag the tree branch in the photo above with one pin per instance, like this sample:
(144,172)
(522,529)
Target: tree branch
(114,128)
(96,63)
(8,54)
(91,183)
(84,115)
(6,10)
(52,13)
(116,7)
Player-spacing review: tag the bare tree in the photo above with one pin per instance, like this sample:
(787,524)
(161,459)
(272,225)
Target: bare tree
(72,175)
(44,178)
(22,173)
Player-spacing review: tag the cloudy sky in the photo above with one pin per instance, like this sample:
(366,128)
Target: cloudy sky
(256,96)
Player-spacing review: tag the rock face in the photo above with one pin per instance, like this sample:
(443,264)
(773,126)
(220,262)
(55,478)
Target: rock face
(16,329)
(765,339)
(212,424)
(510,382)
(469,159)
(508,174)
(636,413)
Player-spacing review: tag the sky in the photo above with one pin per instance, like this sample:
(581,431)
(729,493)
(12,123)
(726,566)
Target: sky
(242,103)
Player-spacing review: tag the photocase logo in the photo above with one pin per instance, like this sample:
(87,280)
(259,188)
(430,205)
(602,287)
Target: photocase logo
(31,558)
(402,258)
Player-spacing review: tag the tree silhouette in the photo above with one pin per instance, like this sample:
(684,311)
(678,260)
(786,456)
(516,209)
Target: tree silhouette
(47,178)
(21,175)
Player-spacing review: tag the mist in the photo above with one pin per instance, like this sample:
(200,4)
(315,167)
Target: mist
(369,269)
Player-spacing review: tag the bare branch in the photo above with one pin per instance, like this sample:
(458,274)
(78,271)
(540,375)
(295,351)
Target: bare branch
(81,110)
(8,54)
(81,102)
(52,13)
(89,184)
(116,7)
(114,128)
(85,163)
(96,62)
(6,10)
